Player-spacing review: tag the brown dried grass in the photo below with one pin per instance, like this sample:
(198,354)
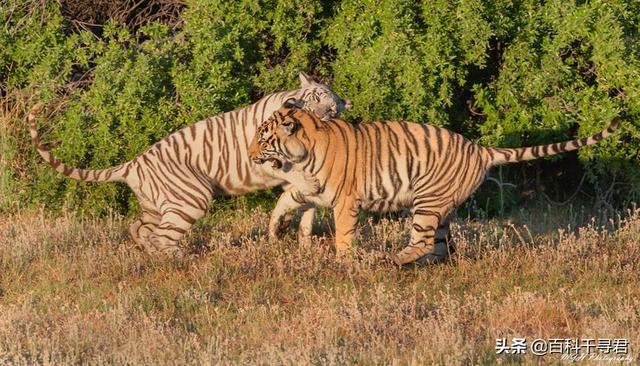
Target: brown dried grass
(72,290)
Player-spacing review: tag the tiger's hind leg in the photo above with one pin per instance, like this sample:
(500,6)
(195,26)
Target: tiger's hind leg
(443,246)
(148,221)
(165,238)
(426,221)
(142,227)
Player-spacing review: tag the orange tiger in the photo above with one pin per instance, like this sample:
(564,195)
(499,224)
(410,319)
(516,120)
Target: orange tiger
(382,166)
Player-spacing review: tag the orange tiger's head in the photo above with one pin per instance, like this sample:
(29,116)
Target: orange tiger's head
(278,140)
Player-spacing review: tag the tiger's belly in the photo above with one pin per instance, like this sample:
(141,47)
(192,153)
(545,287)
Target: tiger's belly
(387,203)
(374,203)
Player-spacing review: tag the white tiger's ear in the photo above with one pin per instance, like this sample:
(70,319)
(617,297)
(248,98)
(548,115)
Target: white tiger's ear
(305,80)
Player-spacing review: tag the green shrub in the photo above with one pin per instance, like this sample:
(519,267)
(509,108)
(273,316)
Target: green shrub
(502,73)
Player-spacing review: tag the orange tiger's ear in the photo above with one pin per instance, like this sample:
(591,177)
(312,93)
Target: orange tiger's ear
(289,127)
(308,120)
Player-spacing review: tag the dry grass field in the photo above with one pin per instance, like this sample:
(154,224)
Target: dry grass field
(74,291)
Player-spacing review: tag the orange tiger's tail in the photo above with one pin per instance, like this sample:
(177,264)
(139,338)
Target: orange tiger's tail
(513,155)
(114,174)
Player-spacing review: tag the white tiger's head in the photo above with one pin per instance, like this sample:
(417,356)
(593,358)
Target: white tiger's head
(320,99)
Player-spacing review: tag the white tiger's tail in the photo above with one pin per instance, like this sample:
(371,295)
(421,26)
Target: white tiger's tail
(113,174)
(499,156)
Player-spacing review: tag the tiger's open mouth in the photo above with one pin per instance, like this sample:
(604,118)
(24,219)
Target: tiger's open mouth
(275,163)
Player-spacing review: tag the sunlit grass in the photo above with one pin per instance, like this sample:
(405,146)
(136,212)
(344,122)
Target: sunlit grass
(75,291)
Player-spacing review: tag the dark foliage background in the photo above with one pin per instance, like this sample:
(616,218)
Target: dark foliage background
(119,75)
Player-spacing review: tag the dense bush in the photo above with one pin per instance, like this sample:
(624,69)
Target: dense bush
(502,73)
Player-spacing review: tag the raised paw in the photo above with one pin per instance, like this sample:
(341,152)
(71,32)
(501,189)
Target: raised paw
(312,186)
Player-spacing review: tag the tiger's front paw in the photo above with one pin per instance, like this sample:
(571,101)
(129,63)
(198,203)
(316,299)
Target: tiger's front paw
(278,229)
(344,253)
(311,186)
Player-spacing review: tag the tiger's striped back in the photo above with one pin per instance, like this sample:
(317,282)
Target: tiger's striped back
(384,166)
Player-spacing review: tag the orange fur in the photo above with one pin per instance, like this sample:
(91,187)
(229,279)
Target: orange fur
(383,166)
